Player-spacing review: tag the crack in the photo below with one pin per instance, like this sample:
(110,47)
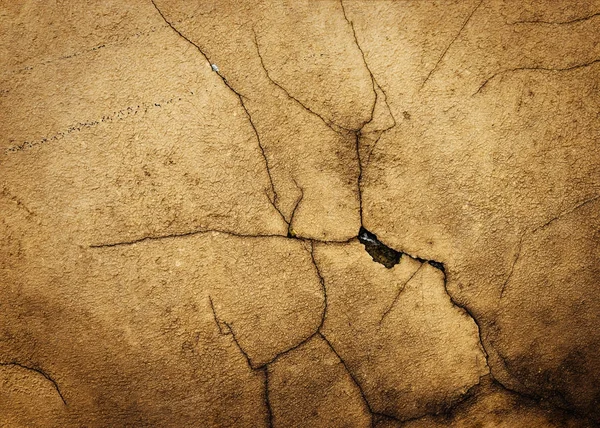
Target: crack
(362,53)
(267,399)
(263,368)
(229,330)
(373,413)
(358,133)
(150,238)
(572,21)
(537,229)
(272,196)
(290,232)
(378,251)
(512,267)
(547,69)
(39,371)
(400,289)
(564,213)
(179,235)
(451,43)
(329,123)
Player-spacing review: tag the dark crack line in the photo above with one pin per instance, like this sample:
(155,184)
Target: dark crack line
(329,123)
(273,196)
(450,45)
(262,368)
(355,381)
(267,399)
(362,53)
(572,21)
(216,318)
(547,69)
(180,235)
(206,231)
(398,293)
(359,132)
(470,313)
(537,229)
(564,213)
(290,232)
(382,131)
(512,267)
(359,178)
(41,372)
(237,343)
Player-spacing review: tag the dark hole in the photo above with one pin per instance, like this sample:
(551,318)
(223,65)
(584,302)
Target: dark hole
(378,251)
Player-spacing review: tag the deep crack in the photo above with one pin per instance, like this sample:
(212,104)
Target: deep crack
(378,251)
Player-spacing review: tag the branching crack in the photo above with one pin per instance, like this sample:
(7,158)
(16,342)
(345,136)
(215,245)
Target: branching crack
(39,371)
(272,194)
(359,132)
(450,44)
(547,69)
(338,129)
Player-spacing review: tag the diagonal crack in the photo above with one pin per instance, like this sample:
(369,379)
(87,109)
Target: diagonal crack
(338,129)
(397,297)
(272,195)
(373,413)
(450,45)
(39,371)
(547,69)
(537,229)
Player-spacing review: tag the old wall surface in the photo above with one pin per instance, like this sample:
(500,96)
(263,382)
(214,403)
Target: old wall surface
(299,214)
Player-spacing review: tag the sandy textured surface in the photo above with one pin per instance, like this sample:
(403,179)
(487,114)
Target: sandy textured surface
(300,214)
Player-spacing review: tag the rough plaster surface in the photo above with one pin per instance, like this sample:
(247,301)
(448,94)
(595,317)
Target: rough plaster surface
(182,186)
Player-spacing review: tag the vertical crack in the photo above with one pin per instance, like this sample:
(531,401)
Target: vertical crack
(41,372)
(267,399)
(271,193)
(290,232)
(359,133)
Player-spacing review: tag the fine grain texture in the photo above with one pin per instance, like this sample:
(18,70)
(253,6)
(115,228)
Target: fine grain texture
(333,213)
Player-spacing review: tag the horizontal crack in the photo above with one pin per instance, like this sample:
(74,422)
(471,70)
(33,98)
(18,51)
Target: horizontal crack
(572,21)
(548,69)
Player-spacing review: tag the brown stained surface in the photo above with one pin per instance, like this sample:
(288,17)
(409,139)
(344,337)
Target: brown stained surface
(182,186)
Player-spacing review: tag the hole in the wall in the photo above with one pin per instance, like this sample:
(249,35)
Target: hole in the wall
(378,251)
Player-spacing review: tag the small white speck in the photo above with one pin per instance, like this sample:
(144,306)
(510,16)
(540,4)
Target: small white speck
(214,68)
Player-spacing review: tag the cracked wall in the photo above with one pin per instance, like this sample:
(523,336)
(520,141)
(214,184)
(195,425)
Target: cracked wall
(332,213)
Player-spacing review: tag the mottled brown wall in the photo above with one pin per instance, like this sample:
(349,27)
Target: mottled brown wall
(299,214)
